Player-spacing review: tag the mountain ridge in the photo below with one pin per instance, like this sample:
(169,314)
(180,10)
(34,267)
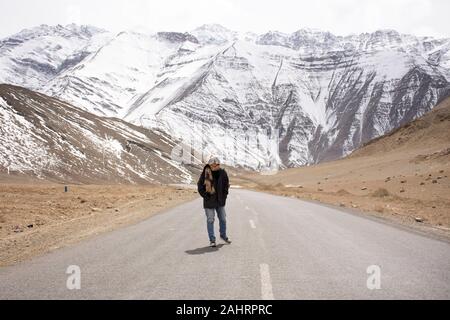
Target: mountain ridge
(325,95)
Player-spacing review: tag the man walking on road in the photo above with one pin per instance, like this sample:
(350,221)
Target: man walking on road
(213,186)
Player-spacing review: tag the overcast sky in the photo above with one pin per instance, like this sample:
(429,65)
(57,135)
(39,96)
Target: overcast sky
(341,17)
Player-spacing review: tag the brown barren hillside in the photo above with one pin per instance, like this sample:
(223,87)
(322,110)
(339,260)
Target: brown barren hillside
(430,133)
(402,176)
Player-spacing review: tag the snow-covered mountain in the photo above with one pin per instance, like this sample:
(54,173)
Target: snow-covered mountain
(36,56)
(317,95)
(45,138)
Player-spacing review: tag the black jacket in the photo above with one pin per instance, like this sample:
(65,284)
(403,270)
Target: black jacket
(221,185)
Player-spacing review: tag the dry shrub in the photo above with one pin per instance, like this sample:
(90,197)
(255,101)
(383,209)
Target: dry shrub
(381,193)
(342,192)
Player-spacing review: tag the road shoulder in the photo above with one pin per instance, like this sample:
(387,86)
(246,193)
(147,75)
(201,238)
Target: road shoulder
(41,218)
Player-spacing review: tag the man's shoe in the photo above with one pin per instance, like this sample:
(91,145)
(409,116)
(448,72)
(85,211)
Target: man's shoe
(212,244)
(226,239)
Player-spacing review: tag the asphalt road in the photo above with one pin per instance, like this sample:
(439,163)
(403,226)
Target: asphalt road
(282,248)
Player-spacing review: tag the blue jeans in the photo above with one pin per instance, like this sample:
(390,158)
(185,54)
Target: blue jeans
(221,214)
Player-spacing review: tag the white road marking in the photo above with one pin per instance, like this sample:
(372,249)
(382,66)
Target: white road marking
(252,224)
(266,283)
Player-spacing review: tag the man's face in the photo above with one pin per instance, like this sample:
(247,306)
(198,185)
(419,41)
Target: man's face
(215,166)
